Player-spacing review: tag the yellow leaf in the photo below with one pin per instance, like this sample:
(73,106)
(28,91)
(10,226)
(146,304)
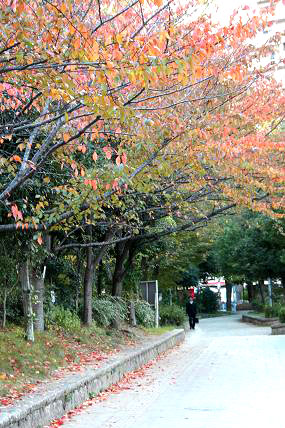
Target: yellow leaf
(119,38)
(46,180)
(77,43)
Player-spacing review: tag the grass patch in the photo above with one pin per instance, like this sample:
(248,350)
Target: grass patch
(23,364)
(159,330)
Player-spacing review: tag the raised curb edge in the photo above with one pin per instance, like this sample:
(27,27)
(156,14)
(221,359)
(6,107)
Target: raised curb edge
(36,410)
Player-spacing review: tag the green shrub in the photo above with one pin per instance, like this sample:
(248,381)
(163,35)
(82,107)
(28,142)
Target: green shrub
(207,301)
(144,314)
(282,314)
(257,306)
(60,317)
(268,311)
(171,315)
(108,310)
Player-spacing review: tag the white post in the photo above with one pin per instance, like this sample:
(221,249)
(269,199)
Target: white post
(146,291)
(44,273)
(156,304)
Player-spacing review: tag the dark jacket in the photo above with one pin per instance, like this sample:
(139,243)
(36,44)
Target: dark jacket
(191,309)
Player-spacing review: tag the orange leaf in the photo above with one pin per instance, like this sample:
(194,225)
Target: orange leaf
(118,160)
(94,156)
(94,184)
(66,137)
(82,148)
(77,43)
(40,239)
(17,158)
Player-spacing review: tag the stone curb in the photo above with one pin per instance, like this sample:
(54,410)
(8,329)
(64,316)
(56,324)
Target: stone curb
(59,397)
(255,319)
(278,328)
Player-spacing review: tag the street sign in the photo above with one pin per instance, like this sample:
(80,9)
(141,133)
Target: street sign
(149,292)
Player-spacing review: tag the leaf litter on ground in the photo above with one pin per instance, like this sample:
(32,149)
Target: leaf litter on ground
(126,383)
(25,366)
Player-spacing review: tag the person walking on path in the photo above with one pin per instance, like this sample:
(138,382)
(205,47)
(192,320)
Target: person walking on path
(191,311)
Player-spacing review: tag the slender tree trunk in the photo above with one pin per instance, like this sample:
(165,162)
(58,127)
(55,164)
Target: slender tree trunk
(99,282)
(144,268)
(125,253)
(170,296)
(133,319)
(260,286)
(250,291)
(4,319)
(77,291)
(88,287)
(38,304)
(27,299)
(229,295)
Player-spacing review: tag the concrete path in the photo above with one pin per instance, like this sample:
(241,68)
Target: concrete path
(226,375)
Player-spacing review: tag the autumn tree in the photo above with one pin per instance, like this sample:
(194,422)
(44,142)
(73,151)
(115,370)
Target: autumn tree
(112,92)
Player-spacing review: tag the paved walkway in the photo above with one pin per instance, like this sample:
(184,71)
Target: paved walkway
(226,375)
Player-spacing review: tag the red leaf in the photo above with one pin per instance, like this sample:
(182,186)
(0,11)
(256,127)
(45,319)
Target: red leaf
(94,184)
(108,152)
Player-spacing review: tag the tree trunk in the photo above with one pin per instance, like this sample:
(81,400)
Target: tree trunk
(4,309)
(260,286)
(117,284)
(156,270)
(77,291)
(250,291)
(27,299)
(270,292)
(88,286)
(133,319)
(170,297)
(38,304)
(144,268)
(118,275)
(99,283)
(229,296)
